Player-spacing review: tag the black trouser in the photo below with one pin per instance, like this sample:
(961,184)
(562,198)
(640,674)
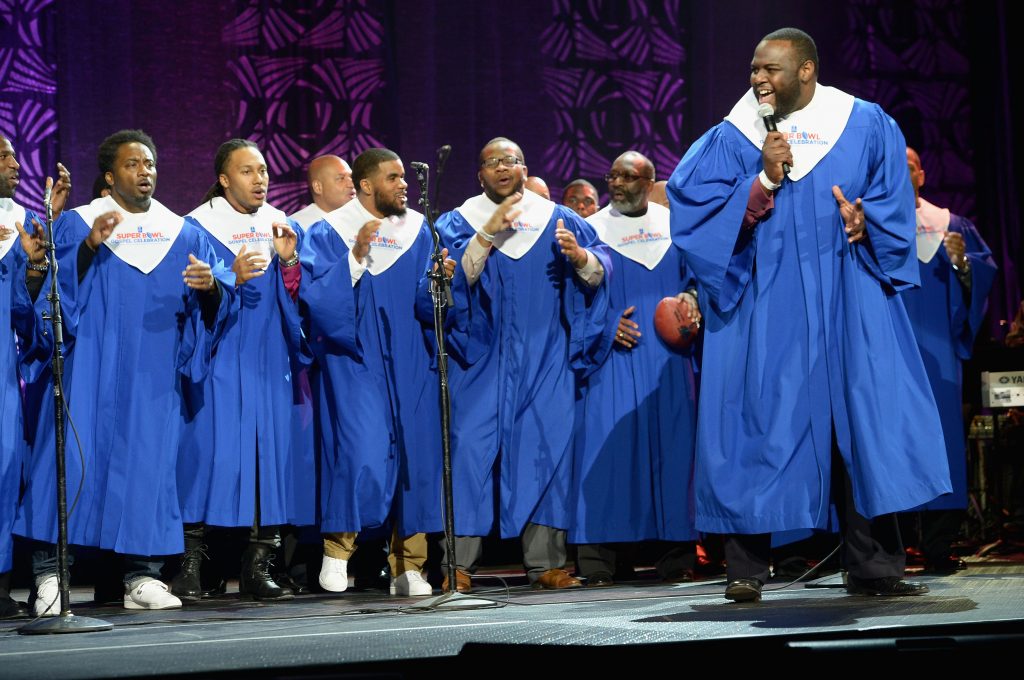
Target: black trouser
(871,548)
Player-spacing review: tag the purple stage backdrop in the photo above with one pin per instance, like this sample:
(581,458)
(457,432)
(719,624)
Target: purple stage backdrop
(28,91)
(575,82)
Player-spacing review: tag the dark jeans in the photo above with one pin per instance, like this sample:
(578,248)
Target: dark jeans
(44,564)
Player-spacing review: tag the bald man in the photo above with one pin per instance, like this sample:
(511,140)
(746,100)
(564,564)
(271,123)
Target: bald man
(946,312)
(538,186)
(330,185)
(658,194)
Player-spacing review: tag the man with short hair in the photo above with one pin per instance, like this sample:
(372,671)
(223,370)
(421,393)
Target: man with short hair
(581,196)
(330,187)
(812,387)
(531,273)
(378,417)
(137,288)
(636,417)
(23,267)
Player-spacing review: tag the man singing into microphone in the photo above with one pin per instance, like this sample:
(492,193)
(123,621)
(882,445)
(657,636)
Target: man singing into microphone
(813,388)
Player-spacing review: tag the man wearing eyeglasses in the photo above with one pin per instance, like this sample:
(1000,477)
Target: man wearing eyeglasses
(636,419)
(581,196)
(531,274)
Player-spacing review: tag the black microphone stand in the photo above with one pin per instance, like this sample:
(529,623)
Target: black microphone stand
(441,294)
(66,622)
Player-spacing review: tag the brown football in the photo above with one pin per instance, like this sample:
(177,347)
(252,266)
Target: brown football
(672,322)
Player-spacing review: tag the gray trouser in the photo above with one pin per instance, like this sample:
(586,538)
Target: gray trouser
(543,549)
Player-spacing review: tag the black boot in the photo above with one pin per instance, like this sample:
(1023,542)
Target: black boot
(255,580)
(10,608)
(186,584)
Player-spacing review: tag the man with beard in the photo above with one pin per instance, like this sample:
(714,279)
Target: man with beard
(812,387)
(134,323)
(531,273)
(249,476)
(946,312)
(377,393)
(22,270)
(330,186)
(636,414)
(581,196)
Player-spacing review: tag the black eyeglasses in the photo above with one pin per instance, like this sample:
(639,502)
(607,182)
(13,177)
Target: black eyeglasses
(627,177)
(576,200)
(507,161)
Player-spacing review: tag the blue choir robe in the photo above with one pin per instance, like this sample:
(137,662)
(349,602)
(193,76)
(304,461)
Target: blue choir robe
(375,387)
(806,336)
(22,331)
(636,409)
(514,333)
(132,332)
(945,321)
(240,420)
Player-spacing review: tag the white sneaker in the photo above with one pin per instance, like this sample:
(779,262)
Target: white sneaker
(47,597)
(411,584)
(148,593)
(334,575)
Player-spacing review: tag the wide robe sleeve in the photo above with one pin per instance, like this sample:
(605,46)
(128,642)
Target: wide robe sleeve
(588,309)
(198,341)
(966,312)
(35,339)
(889,252)
(470,322)
(326,293)
(709,191)
(291,321)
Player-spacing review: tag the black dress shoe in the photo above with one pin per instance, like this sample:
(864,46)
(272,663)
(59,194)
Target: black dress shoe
(947,565)
(680,576)
(12,609)
(600,579)
(888,585)
(285,580)
(743,590)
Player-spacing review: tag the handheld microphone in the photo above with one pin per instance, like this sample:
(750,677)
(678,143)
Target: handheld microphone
(767,113)
(47,192)
(442,153)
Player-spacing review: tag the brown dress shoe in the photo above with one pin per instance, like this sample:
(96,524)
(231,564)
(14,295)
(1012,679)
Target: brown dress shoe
(462,582)
(556,579)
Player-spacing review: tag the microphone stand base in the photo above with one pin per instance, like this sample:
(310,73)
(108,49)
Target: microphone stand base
(65,623)
(454,602)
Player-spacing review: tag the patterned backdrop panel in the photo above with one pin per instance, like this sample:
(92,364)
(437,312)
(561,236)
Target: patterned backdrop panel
(28,86)
(307,81)
(615,83)
(912,58)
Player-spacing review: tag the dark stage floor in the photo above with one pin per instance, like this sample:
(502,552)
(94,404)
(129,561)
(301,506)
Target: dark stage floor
(979,612)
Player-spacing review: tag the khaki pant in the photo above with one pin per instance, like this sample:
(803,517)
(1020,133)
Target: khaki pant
(407,553)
